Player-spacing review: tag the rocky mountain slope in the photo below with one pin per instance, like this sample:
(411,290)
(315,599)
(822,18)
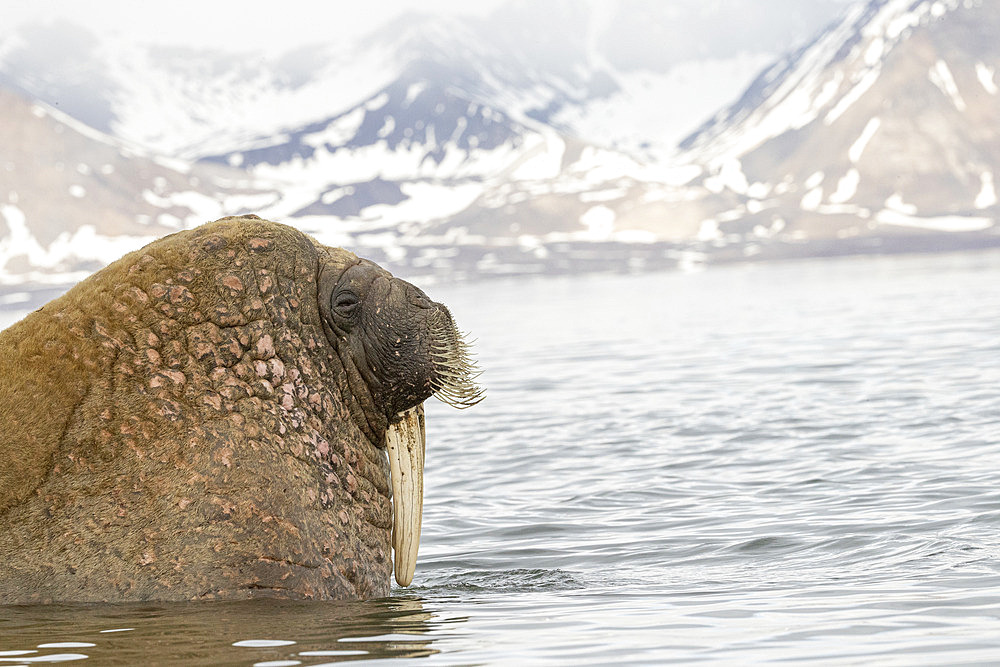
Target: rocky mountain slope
(73,199)
(885,126)
(878,136)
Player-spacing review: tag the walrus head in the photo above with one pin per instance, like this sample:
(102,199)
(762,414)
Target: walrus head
(208,417)
(398,348)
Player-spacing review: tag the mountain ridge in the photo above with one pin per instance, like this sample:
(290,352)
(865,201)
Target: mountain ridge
(442,148)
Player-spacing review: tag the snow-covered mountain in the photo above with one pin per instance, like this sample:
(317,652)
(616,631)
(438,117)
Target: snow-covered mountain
(885,127)
(478,146)
(565,63)
(880,135)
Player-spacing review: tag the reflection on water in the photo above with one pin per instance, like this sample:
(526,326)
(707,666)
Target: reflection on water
(255,632)
(753,464)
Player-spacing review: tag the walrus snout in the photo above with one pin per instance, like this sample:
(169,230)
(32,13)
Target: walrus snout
(402,347)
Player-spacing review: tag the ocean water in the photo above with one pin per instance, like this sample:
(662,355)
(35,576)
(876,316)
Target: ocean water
(773,463)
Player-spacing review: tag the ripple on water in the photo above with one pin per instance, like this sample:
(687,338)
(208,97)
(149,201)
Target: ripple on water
(46,658)
(783,463)
(263,643)
(504,581)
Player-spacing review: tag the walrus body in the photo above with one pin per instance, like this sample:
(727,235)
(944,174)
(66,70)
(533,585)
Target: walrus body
(199,420)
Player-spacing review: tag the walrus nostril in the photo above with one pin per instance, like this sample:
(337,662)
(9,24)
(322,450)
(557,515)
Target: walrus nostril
(420,300)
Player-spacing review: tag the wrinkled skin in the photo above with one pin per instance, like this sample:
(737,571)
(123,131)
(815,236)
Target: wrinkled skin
(205,418)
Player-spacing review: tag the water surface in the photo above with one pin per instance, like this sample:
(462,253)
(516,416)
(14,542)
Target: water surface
(758,463)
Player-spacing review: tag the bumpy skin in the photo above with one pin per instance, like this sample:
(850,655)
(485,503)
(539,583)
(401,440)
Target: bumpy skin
(183,425)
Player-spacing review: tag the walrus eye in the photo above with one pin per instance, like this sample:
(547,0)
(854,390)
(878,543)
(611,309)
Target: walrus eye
(345,303)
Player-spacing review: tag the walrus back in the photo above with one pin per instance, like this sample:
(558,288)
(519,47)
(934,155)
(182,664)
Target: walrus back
(50,360)
(42,380)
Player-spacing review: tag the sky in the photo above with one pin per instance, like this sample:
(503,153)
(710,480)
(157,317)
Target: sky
(281,24)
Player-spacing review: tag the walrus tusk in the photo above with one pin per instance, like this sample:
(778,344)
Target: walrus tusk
(405,443)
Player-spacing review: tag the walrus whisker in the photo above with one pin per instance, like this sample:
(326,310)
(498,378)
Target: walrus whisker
(455,370)
(453,380)
(459,394)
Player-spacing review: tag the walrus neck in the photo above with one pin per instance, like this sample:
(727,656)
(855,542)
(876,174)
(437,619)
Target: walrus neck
(355,390)
(360,401)
(37,354)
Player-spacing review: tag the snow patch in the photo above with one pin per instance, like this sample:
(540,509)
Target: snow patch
(377,102)
(987,193)
(300,180)
(83,245)
(647,108)
(709,230)
(858,147)
(867,80)
(986,76)
(174,164)
(541,162)
(202,206)
(77,191)
(600,223)
(847,187)
(337,193)
(86,243)
(947,223)
(730,176)
(220,113)
(41,110)
(338,132)
(896,204)
(812,199)
(876,49)
(598,165)
(603,195)
(902,15)
(759,190)
(940,76)
(815,180)
(413,92)
(843,209)
(635,236)
(425,202)
(387,128)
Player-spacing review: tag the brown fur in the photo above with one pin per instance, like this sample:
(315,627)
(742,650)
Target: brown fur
(178,426)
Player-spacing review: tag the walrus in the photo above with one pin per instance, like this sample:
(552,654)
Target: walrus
(209,418)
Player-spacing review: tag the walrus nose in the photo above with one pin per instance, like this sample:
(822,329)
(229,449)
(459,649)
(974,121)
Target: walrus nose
(419,299)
